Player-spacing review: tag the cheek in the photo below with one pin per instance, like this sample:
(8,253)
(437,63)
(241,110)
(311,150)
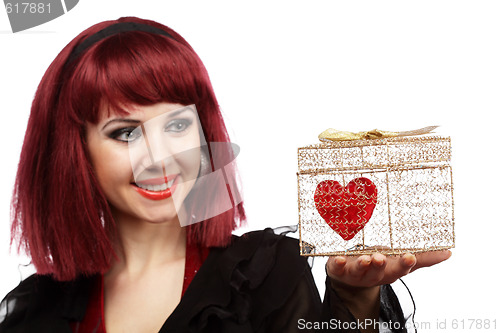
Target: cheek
(187,151)
(190,162)
(112,169)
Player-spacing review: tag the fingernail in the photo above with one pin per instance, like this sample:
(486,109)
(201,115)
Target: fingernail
(365,261)
(339,260)
(409,259)
(379,261)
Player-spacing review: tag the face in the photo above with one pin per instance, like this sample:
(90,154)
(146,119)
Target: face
(146,162)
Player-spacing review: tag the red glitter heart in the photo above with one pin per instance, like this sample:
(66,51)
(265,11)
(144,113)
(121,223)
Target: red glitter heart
(346,209)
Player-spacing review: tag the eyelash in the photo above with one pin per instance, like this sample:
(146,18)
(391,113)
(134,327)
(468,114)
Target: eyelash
(121,131)
(170,127)
(184,121)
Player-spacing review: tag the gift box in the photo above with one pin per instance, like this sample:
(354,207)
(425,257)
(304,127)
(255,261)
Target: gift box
(389,194)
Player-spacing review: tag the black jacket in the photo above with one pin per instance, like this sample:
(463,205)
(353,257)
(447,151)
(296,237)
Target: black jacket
(259,283)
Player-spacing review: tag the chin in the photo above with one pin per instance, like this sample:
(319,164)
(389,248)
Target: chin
(161,217)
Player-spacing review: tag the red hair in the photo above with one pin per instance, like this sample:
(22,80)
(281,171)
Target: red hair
(60,215)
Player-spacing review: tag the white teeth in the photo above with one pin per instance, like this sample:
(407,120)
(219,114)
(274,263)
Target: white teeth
(157,188)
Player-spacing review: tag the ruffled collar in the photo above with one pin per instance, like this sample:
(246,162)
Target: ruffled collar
(234,281)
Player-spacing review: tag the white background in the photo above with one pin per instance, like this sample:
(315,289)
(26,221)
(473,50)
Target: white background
(285,71)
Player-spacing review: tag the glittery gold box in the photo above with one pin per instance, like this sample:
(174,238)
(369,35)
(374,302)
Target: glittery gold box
(390,195)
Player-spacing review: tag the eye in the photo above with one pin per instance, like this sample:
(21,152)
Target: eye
(127,134)
(178,125)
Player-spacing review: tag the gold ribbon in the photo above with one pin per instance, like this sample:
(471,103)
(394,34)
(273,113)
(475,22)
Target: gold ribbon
(335,135)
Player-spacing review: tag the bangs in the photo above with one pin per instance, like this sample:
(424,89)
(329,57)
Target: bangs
(135,68)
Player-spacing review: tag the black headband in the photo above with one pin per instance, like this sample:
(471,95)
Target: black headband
(110,31)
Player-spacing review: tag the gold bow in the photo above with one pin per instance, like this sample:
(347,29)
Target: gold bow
(335,135)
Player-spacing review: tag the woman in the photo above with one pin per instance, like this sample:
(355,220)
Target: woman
(126,198)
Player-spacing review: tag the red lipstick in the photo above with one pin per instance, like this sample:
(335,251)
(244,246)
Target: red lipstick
(157,195)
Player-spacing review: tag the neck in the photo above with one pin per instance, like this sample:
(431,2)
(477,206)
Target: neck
(143,246)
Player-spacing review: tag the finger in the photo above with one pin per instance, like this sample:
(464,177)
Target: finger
(398,267)
(408,261)
(376,271)
(427,259)
(360,266)
(335,266)
(379,260)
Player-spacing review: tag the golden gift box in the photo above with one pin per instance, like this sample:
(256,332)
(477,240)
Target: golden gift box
(392,195)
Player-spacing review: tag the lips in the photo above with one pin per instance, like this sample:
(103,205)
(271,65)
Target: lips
(157,188)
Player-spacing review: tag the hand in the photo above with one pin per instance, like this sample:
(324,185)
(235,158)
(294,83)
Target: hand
(378,269)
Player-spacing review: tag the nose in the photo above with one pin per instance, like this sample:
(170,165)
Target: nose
(151,153)
(157,168)
(156,143)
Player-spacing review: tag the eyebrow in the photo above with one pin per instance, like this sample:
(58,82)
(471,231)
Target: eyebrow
(120,120)
(179,111)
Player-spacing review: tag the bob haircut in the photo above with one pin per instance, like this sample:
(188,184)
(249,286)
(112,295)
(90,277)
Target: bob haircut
(60,216)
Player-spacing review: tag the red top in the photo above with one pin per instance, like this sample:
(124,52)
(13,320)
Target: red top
(94,316)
